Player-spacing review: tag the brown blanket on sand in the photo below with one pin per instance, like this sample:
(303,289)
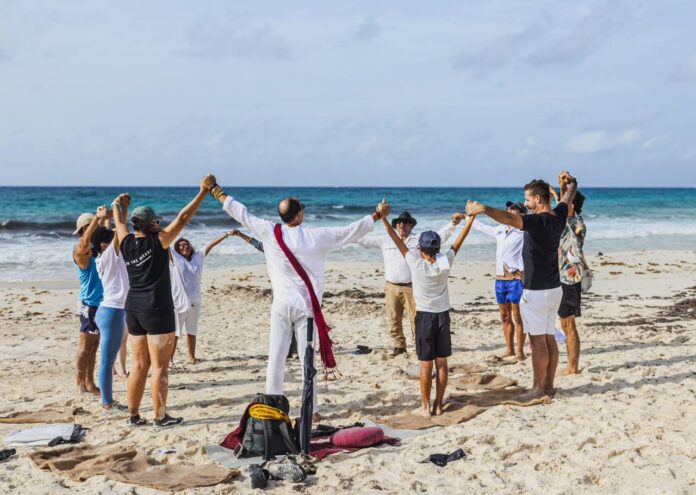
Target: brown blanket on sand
(477,381)
(461,408)
(467,368)
(49,414)
(128,466)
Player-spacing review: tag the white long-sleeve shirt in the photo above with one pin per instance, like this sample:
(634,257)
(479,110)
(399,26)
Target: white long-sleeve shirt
(508,250)
(190,275)
(396,270)
(309,245)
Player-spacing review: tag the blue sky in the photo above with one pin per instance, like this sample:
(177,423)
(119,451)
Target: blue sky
(411,93)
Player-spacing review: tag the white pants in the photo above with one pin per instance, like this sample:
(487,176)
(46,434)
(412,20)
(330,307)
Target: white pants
(538,309)
(285,320)
(189,320)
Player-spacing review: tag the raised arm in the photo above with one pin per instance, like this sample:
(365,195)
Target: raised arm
(447,231)
(484,228)
(172,231)
(120,210)
(254,242)
(258,226)
(370,242)
(403,249)
(554,194)
(463,234)
(215,242)
(83,248)
(568,193)
(335,237)
(500,216)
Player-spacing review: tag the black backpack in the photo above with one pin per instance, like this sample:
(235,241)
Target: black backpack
(269,437)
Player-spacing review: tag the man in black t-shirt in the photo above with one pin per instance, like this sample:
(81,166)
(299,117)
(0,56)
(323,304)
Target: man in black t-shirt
(542,284)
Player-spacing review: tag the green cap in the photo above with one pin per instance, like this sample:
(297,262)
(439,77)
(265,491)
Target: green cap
(146,214)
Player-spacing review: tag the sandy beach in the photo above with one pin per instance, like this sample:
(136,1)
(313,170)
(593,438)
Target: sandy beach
(626,424)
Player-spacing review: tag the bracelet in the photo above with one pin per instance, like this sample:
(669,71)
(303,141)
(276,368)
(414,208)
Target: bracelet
(216,191)
(379,215)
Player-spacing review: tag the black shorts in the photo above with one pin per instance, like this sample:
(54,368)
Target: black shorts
(150,323)
(87,323)
(570,302)
(433,335)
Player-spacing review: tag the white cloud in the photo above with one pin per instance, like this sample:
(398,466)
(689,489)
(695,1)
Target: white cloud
(686,72)
(598,141)
(585,38)
(501,49)
(230,36)
(655,142)
(368,30)
(526,147)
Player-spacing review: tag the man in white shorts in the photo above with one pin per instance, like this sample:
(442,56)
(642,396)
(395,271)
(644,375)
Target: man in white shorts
(542,284)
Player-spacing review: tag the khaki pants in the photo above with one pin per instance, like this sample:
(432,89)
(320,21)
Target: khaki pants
(397,298)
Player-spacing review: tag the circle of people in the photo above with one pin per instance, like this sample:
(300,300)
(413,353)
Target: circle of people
(145,286)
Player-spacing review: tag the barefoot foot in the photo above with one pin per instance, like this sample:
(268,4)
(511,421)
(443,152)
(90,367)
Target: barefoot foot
(422,411)
(531,395)
(568,371)
(94,390)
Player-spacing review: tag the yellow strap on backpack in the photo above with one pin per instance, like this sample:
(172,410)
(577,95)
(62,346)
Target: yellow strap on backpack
(262,411)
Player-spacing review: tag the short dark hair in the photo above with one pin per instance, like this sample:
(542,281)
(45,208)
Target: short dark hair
(578,201)
(180,240)
(99,236)
(141,225)
(293,208)
(430,251)
(539,187)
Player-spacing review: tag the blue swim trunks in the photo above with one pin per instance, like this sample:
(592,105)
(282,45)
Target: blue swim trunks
(508,291)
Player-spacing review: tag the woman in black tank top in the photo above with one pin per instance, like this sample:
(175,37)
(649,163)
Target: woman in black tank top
(149,306)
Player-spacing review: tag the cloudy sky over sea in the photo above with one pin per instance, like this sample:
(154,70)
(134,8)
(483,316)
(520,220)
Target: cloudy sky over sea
(476,93)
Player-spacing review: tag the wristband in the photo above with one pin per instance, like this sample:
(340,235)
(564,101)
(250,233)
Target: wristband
(379,215)
(216,191)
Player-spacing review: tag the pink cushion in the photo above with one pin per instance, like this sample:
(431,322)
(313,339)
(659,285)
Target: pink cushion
(358,436)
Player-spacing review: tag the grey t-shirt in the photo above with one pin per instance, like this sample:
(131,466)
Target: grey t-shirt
(430,282)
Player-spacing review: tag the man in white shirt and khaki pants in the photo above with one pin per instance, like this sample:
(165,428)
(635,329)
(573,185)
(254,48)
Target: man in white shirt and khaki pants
(398,289)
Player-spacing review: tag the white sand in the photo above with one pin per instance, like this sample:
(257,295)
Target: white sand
(627,424)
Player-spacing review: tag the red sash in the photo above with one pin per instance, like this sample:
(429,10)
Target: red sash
(327,357)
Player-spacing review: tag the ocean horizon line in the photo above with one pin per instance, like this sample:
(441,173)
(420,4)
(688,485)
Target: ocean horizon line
(671,188)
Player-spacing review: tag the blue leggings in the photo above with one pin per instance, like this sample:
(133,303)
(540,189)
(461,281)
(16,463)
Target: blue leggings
(112,325)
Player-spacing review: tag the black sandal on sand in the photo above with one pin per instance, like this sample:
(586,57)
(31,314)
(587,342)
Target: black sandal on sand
(442,460)
(134,421)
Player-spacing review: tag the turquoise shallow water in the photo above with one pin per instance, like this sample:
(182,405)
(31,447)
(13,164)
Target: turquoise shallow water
(35,223)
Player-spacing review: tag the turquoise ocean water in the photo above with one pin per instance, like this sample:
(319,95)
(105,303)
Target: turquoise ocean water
(36,223)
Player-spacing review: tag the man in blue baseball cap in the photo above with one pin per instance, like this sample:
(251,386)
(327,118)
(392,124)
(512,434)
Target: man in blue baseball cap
(429,272)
